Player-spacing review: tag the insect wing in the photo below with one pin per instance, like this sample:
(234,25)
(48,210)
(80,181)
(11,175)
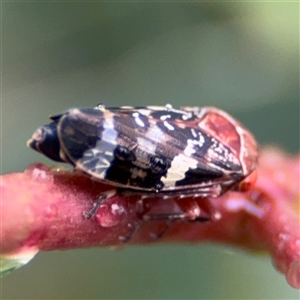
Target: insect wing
(146,148)
(87,140)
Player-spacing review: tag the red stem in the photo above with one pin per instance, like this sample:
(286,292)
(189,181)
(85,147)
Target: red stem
(43,208)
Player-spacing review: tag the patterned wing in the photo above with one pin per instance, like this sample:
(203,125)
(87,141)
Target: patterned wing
(146,148)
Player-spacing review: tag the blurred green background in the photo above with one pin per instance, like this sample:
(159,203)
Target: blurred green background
(239,56)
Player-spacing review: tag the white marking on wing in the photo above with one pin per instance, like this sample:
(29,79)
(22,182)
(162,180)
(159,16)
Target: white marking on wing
(168,125)
(186,116)
(189,149)
(201,139)
(194,133)
(165,117)
(137,119)
(180,164)
(109,133)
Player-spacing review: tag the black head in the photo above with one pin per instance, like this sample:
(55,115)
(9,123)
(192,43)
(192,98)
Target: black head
(45,140)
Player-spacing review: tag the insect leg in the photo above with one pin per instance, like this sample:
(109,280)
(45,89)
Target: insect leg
(174,216)
(104,196)
(170,218)
(210,190)
(132,233)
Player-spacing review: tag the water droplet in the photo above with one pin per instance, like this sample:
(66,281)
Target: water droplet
(217,216)
(117,209)
(284,236)
(238,203)
(51,211)
(39,173)
(153,236)
(109,215)
(122,239)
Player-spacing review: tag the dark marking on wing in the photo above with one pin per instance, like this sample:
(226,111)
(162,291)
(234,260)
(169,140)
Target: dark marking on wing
(147,146)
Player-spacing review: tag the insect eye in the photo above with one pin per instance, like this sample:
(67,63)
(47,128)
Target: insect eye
(39,135)
(158,164)
(45,141)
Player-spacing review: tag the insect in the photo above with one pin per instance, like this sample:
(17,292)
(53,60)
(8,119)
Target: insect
(152,150)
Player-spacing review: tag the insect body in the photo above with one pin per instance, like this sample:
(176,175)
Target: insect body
(193,151)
